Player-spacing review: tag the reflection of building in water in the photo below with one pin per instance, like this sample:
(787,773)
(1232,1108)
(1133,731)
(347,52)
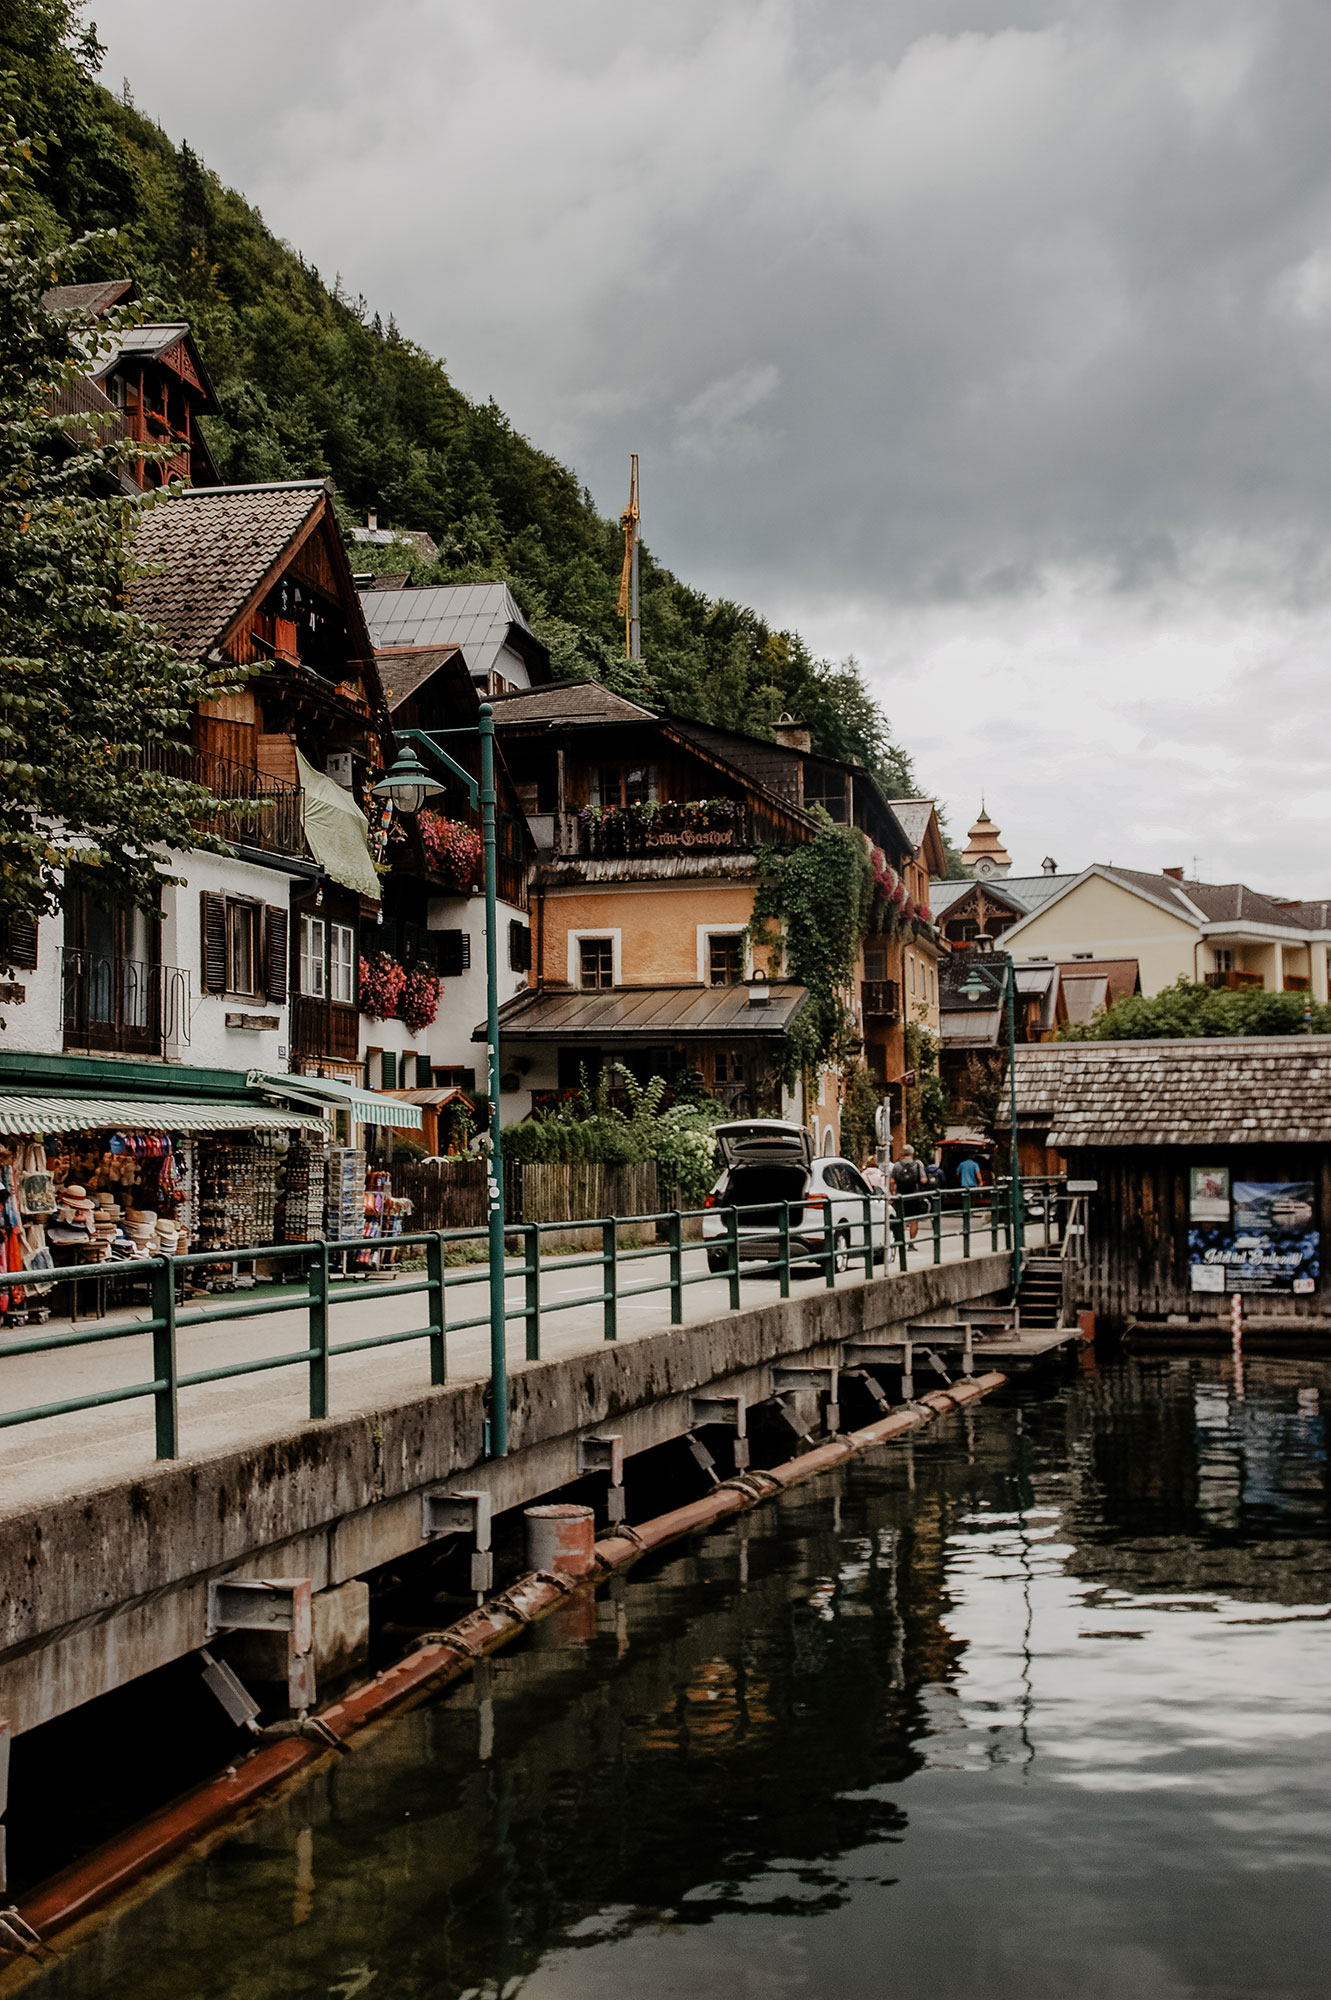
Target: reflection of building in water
(1171,1490)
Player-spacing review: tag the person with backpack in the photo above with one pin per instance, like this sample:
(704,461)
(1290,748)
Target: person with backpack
(908,1177)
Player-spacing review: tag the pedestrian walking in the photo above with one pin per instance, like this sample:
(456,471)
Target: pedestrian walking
(908,1177)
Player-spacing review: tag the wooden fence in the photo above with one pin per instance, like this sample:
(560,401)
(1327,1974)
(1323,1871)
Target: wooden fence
(450,1194)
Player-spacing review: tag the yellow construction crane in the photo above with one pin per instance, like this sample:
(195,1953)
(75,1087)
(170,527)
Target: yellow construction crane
(628,580)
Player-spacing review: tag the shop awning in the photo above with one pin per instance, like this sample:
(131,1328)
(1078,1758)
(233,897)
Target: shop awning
(435,1098)
(336,831)
(367,1107)
(46,1115)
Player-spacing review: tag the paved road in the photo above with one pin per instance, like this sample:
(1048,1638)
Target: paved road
(58,1456)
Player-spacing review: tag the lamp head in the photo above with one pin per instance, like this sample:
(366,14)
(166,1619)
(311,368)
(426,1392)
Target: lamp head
(973,987)
(408,784)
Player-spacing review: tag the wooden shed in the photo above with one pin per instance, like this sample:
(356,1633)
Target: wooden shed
(1211,1161)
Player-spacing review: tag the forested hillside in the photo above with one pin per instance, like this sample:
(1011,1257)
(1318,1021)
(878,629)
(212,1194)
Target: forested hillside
(311,382)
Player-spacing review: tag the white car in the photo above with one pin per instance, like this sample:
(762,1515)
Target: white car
(768,1162)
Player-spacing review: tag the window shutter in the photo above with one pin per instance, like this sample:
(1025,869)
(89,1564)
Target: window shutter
(277,949)
(214,942)
(18,944)
(389,1061)
(454,953)
(519,947)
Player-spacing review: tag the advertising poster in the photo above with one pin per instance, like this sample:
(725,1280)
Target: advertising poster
(1208,1195)
(1269,1243)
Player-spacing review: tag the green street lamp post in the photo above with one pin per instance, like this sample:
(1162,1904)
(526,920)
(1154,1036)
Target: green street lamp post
(994,972)
(408,785)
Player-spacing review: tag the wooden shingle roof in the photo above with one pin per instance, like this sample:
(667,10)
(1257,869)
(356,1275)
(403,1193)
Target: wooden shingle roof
(1228,1090)
(215,546)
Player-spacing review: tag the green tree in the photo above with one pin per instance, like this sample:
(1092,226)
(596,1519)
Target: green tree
(84,682)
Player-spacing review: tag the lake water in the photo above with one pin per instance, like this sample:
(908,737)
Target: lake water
(1039,1705)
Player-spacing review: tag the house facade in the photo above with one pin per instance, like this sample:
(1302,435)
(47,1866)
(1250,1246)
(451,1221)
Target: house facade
(1219,934)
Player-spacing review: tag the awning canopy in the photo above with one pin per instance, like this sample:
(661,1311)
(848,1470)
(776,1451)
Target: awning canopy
(975,1029)
(367,1107)
(433,1099)
(44,1115)
(336,831)
(649,1014)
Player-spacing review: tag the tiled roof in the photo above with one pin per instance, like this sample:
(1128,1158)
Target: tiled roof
(565,701)
(481,618)
(98,297)
(1121,975)
(1222,1091)
(1219,902)
(215,545)
(403,673)
(648,1013)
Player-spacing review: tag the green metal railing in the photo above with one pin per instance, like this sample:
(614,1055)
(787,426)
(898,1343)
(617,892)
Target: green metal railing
(777,1241)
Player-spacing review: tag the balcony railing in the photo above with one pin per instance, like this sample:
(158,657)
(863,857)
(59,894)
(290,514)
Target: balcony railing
(255,810)
(1233,982)
(324,1028)
(123,1004)
(630,833)
(1298,982)
(879,999)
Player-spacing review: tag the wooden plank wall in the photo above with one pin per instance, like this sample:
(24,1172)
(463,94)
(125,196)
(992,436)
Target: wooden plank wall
(450,1194)
(1137,1239)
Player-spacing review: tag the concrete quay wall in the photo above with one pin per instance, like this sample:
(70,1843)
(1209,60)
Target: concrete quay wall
(101,1589)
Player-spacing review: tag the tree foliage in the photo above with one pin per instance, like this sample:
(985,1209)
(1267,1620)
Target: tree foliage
(83,681)
(311,381)
(1188,1008)
(618,1121)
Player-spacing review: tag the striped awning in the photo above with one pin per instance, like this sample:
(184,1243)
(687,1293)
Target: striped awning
(40,1116)
(367,1107)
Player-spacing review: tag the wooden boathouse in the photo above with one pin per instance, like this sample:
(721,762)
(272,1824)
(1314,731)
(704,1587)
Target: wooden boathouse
(1207,1165)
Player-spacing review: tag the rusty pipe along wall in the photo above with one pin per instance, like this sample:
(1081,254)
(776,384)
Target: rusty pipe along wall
(205,1814)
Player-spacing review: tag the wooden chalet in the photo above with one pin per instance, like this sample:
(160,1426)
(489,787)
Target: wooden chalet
(1211,1169)
(149,385)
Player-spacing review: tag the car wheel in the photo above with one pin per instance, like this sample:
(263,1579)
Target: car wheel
(841,1252)
(718,1260)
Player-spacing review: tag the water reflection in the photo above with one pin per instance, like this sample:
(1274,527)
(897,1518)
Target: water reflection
(1038,1706)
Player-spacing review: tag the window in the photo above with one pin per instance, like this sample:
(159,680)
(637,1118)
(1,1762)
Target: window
(729,1067)
(454,953)
(242,947)
(519,947)
(313,970)
(596,963)
(622,784)
(875,961)
(342,963)
(826,789)
(910,963)
(724,960)
(1224,960)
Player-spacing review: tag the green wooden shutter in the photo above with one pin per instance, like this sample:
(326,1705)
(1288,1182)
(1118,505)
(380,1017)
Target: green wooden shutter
(389,1060)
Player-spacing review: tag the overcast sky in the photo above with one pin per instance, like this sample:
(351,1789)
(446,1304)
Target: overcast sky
(989,342)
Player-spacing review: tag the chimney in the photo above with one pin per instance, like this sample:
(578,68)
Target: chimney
(792,734)
(1174,874)
(372,521)
(1049,866)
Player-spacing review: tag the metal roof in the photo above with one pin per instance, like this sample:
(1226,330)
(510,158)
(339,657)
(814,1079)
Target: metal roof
(481,618)
(974,1030)
(648,1013)
(367,1107)
(30,1116)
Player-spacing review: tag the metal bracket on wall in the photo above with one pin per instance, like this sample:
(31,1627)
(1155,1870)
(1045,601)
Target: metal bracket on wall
(605,1453)
(262,1604)
(729,1410)
(785,1380)
(445,1511)
(223,1682)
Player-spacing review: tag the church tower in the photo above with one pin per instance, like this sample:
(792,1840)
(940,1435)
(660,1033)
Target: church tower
(985,854)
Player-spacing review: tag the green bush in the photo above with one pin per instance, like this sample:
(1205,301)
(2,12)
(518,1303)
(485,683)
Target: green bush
(597,1130)
(1191,1009)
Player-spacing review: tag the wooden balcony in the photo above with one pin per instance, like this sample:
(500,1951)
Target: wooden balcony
(624,833)
(254,809)
(324,1028)
(1234,982)
(879,999)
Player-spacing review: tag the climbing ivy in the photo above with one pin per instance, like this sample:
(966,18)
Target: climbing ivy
(926,1099)
(819,896)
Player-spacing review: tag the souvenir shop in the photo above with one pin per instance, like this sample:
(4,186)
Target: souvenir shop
(97,1186)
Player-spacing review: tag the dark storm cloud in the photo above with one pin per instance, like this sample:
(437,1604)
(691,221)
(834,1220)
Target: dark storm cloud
(991,340)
